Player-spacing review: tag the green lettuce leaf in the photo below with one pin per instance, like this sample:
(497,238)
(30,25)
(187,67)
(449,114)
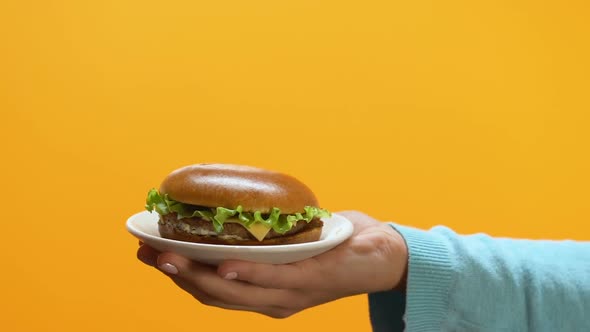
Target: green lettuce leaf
(156,202)
(280,223)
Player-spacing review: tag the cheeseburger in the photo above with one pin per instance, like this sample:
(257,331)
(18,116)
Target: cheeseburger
(235,205)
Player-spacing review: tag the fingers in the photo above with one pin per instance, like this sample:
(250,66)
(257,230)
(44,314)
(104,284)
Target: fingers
(147,255)
(289,276)
(201,278)
(206,299)
(207,286)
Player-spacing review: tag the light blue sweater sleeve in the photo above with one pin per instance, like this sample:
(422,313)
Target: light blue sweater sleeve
(480,283)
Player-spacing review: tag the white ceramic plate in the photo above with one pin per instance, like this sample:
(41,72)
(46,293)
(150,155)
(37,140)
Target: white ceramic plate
(144,226)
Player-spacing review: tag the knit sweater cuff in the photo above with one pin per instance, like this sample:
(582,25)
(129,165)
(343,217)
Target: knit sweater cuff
(430,272)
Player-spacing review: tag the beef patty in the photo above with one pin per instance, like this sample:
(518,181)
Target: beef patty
(232,230)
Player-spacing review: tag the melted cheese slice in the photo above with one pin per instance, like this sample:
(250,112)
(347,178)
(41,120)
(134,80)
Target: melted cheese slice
(258,230)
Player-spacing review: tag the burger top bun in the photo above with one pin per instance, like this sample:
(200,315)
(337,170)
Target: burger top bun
(226,185)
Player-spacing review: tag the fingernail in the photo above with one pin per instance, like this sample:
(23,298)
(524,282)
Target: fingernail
(230,275)
(168,268)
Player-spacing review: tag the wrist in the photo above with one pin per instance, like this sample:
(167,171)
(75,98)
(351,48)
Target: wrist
(397,258)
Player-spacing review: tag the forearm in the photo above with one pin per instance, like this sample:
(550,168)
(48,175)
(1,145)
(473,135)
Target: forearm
(478,282)
(533,285)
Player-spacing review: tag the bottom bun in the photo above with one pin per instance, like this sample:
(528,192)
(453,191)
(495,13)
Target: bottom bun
(308,234)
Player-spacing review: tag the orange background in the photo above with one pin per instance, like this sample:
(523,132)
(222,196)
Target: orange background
(472,115)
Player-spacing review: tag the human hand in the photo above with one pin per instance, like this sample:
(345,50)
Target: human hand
(373,259)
